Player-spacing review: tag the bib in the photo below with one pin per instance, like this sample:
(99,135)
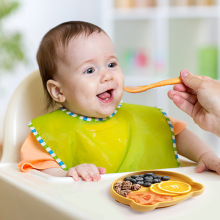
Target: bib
(134,138)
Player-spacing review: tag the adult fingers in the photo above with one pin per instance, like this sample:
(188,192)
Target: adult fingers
(190,80)
(186,96)
(180,87)
(183,104)
(183,88)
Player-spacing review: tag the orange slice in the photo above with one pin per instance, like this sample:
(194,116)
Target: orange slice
(175,187)
(154,188)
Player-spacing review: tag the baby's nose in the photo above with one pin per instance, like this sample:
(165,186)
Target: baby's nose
(106,76)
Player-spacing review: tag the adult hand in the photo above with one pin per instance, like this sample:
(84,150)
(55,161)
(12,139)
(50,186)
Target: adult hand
(199,97)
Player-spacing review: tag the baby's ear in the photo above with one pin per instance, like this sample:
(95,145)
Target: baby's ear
(55,90)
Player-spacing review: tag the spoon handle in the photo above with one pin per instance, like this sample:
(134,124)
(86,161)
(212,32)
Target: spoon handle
(165,82)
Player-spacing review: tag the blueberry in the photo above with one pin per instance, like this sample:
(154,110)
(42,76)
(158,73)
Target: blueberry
(127,179)
(165,178)
(154,176)
(156,180)
(159,176)
(147,184)
(140,183)
(148,174)
(135,176)
(139,179)
(133,180)
(142,175)
(148,179)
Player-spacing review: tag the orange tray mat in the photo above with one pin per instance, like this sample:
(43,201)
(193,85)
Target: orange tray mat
(197,189)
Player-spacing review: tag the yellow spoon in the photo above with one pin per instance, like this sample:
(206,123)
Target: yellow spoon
(136,89)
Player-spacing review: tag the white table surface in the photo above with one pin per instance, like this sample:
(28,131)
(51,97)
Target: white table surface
(43,196)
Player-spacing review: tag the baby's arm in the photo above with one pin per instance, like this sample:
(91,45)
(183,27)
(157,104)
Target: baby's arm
(88,172)
(192,147)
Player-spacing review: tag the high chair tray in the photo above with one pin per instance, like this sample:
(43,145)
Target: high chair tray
(196,190)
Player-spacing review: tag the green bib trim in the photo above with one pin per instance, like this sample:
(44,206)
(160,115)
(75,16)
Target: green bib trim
(131,148)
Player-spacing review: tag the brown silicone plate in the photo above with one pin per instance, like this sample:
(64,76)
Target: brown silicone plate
(197,189)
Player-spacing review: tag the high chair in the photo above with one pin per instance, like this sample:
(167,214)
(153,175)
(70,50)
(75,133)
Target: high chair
(35,195)
(26,103)
(18,198)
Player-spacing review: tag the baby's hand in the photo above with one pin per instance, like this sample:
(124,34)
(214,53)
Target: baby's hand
(208,161)
(88,172)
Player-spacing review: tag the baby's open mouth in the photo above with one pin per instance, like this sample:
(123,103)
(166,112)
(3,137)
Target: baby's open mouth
(106,96)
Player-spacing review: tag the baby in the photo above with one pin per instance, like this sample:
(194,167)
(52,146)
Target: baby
(94,133)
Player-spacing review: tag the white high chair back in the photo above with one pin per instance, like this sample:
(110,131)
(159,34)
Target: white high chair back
(26,103)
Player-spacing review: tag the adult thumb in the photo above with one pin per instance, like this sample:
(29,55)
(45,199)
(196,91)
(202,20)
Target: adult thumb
(190,80)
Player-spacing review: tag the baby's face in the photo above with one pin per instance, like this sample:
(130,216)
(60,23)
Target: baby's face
(92,81)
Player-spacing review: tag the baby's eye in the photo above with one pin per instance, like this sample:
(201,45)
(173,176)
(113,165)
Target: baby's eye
(111,65)
(90,71)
